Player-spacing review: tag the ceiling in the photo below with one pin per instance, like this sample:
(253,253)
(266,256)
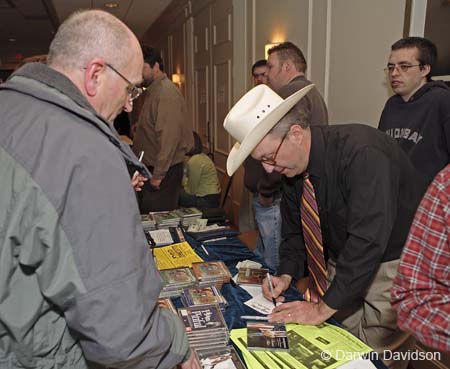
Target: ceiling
(28,26)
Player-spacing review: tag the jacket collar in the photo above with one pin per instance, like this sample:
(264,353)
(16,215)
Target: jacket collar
(298,78)
(46,84)
(55,80)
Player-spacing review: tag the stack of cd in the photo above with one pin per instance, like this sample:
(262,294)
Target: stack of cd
(210,273)
(175,280)
(166,219)
(148,222)
(205,326)
(203,296)
(188,216)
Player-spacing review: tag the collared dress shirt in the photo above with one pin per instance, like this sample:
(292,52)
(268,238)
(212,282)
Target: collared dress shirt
(367,193)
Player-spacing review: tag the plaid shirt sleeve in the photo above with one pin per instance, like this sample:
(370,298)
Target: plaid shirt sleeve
(421,290)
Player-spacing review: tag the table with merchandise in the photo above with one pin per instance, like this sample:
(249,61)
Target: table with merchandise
(231,251)
(212,281)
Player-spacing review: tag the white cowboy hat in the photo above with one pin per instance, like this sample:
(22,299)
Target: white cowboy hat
(252,117)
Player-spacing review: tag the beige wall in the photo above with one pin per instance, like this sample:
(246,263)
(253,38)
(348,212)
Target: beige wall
(345,42)
(361,35)
(281,20)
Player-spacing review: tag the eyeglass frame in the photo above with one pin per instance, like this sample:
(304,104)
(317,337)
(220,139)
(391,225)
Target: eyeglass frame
(272,161)
(133,91)
(403,68)
(257,75)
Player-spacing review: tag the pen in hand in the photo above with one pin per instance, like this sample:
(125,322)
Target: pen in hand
(141,155)
(269,280)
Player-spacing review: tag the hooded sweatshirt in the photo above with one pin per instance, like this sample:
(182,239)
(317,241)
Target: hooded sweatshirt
(421,126)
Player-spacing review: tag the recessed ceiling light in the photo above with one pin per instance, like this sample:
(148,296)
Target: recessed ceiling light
(111,5)
(12,39)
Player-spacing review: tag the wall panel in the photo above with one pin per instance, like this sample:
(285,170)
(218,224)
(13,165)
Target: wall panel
(202,103)
(361,35)
(202,73)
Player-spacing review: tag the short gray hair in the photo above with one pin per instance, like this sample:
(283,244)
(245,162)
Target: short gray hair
(294,116)
(87,34)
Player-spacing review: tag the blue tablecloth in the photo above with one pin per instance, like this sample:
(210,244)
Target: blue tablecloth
(231,251)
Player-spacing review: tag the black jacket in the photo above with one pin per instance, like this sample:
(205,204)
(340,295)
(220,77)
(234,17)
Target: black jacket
(367,192)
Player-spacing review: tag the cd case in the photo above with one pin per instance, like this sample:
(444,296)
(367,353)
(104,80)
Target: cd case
(267,336)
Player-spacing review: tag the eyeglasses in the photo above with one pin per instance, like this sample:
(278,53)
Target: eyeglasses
(400,67)
(272,161)
(133,91)
(257,75)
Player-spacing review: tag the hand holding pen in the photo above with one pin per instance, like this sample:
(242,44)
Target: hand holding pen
(279,285)
(269,281)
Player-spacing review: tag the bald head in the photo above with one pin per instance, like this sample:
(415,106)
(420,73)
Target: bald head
(102,57)
(87,34)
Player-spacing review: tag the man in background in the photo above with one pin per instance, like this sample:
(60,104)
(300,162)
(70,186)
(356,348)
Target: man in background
(418,115)
(259,72)
(286,75)
(164,133)
(78,285)
(265,191)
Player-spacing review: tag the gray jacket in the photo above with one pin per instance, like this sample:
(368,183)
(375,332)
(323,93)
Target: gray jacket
(77,283)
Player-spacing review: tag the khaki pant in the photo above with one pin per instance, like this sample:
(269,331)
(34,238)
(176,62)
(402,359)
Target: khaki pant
(375,321)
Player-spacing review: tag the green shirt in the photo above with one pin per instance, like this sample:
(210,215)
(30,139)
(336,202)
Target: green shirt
(201,176)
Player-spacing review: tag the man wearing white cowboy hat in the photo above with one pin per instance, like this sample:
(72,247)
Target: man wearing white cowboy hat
(351,193)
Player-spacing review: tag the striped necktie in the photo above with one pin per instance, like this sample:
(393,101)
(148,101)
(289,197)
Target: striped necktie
(312,236)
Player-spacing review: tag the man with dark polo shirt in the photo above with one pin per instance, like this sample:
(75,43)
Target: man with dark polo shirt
(286,75)
(365,192)
(265,191)
(164,133)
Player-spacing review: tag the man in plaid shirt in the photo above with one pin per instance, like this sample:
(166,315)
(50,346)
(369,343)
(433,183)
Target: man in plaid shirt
(421,290)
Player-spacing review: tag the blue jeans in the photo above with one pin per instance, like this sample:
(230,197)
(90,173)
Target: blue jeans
(268,219)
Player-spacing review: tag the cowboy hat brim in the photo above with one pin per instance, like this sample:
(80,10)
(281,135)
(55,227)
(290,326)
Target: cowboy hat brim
(241,151)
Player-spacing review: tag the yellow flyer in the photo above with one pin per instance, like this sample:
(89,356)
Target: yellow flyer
(175,256)
(323,346)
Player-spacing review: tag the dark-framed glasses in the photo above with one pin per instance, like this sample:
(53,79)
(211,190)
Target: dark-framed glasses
(272,161)
(133,91)
(400,67)
(257,75)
